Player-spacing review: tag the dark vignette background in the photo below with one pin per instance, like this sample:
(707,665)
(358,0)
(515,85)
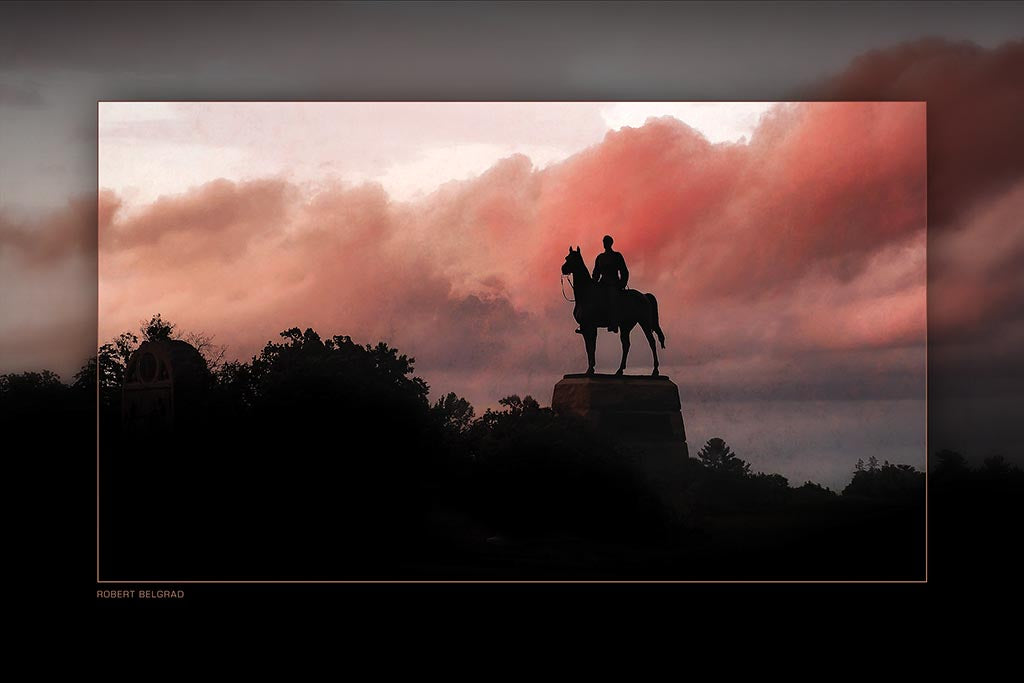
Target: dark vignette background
(57,60)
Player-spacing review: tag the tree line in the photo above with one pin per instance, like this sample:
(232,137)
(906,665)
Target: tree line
(321,456)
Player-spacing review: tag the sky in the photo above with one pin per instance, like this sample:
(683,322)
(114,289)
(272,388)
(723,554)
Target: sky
(445,238)
(964,59)
(785,241)
(410,148)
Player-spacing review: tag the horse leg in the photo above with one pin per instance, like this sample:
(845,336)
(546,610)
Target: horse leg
(624,331)
(654,346)
(590,340)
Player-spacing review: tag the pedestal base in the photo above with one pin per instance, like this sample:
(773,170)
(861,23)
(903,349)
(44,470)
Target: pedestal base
(643,412)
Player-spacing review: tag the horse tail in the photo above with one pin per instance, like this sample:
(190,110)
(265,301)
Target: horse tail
(654,321)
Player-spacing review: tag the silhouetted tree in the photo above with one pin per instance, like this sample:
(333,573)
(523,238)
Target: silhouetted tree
(811,491)
(539,473)
(325,458)
(110,362)
(517,406)
(453,413)
(890,482)
(47,379)
(338,366)
(22,392)
(212,353)
(767,489)
(996,466)
(719,457)
(157,328)
(950,464)
(776,481)
(233,387)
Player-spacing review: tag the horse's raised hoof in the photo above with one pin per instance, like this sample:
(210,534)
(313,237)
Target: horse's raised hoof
(655,373)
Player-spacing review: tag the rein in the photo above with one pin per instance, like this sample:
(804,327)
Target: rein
(562,281)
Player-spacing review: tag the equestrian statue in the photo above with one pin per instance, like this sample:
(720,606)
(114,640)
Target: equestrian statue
(602,300)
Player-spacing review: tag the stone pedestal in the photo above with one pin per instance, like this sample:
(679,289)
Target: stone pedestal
(643,412)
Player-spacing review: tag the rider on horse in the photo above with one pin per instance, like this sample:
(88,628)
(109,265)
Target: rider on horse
(600,302)
(611,274)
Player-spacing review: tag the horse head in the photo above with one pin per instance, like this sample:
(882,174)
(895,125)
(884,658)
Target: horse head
(574,264)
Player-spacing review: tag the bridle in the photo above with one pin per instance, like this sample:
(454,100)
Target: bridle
(571,285)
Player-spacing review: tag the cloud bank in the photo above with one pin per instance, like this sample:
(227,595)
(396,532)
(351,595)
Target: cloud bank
(781,266)
(788,265)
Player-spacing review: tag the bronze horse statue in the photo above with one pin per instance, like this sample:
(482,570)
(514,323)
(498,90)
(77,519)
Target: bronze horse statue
(591,312)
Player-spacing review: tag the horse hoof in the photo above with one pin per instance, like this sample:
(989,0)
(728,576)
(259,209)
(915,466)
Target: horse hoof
(619,371)
(655,373)
(590,371)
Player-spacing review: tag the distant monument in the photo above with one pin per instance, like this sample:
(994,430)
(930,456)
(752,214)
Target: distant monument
(165,382)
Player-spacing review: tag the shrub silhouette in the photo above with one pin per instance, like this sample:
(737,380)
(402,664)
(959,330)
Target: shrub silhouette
(28,394)
(810,491)
(886,482)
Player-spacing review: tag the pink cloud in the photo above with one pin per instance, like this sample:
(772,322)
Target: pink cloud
(733,239)
(805,241)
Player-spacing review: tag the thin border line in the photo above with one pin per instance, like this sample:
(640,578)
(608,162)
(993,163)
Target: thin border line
(522,581)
